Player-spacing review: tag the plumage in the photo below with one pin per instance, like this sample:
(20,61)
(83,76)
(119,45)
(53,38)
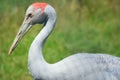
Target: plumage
(81,66)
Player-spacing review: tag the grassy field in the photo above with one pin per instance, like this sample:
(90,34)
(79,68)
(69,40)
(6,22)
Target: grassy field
(82,26)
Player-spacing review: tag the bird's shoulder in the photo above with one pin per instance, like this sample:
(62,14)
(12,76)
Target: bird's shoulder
(88,64)
(97,58)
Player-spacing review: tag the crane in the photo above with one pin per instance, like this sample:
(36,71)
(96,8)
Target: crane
(80,66)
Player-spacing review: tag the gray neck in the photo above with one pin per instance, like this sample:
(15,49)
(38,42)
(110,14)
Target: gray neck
(36,61)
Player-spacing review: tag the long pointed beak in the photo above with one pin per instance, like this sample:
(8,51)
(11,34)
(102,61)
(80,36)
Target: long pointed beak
(23,29)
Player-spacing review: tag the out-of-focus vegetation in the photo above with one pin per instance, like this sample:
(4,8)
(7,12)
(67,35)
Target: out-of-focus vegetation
(82,26)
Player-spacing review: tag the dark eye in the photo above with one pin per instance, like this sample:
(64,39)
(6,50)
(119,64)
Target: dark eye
(29,15)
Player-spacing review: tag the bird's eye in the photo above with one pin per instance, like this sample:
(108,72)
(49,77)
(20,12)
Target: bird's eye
(29,15)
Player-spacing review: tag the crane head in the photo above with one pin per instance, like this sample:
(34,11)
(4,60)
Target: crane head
(35,14)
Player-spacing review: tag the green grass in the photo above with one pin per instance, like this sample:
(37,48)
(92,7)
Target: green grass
(91,27)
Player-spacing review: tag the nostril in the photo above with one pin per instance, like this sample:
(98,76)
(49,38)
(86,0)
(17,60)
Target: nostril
(19,32)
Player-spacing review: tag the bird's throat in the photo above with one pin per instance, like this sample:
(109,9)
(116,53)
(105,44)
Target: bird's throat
(36,61)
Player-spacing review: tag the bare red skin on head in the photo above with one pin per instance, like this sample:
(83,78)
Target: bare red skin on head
(40,5)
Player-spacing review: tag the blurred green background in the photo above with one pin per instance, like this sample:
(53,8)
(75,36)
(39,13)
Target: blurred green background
(82,26)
